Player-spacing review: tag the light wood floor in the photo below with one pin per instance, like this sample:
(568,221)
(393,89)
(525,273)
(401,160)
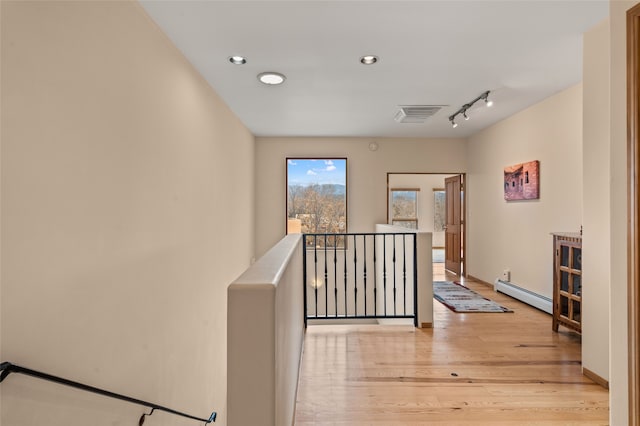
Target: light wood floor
(470,369)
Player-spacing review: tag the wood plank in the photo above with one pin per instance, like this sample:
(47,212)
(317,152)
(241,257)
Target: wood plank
(480,369)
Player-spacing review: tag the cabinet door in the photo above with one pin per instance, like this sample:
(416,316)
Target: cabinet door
(568,289)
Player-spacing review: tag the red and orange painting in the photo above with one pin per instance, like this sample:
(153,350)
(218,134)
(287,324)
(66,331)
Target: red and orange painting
(522,181)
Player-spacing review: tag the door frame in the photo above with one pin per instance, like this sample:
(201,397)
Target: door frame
(633,236)
(463,212)
(454,201)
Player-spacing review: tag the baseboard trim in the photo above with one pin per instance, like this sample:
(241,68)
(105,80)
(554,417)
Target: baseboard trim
(471,277)
(524,295)
(596,378)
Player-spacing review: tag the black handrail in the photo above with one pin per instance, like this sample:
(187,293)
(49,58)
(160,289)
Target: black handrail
(8,368)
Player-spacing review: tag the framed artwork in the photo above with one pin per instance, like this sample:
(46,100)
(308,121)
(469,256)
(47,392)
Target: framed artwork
(522,181)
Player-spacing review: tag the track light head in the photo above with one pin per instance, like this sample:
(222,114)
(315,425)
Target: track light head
(464,114)
(453,123)
(487,101)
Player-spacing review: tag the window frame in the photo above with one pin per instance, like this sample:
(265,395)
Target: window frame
(346,191)
(393,220)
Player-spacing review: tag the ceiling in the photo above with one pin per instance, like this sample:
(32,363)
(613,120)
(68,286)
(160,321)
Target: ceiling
(431,53)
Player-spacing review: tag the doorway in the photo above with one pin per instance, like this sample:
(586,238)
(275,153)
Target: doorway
(454,201)
(427,191)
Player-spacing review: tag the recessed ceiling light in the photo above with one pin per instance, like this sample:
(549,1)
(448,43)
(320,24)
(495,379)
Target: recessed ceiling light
(271,78)
(238,60)
(369,59)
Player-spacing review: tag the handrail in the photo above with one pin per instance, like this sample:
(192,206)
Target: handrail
(8,368)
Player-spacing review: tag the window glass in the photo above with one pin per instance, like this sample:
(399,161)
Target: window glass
(439,211)
(404,207)
(317,196)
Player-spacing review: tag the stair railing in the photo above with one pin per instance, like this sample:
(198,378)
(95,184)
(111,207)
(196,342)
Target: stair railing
(8,368)
(355,276)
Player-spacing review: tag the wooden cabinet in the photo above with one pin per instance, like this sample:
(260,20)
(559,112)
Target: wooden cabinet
(567,280)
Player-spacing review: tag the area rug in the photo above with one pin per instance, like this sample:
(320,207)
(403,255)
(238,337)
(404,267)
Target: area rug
(459,298)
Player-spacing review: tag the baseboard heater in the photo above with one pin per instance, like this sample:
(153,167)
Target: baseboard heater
(522,294)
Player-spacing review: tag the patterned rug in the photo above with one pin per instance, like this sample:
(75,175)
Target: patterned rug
(459,298)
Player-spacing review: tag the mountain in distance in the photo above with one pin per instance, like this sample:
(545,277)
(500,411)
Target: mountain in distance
(336,188)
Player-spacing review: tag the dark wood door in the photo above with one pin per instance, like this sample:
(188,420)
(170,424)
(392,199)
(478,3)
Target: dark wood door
(633,225)
(453,228)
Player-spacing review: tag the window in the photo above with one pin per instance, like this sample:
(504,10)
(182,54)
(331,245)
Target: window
(439,210)
(404,207)
(317,196)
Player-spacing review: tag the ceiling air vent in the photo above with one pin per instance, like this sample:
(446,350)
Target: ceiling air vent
(416,113)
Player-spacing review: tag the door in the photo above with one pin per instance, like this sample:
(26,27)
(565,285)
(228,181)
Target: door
(633,153)
(453,224)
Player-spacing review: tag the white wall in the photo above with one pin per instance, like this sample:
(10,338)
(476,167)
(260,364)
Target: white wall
(321,296)
(424,269)
(618,100)
(127,208)
(352,281)
(366,175)
(516,235)
(596,247)
(426,183)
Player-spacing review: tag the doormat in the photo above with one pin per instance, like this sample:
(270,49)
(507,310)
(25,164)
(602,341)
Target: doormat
(459,298)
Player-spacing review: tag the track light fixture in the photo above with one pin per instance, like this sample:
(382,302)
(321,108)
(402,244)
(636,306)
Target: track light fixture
(464,108)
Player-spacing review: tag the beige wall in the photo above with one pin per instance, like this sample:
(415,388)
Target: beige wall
(596,261)
(265,335)
(115,250)
(618,101)
(516,235)
(366,175)
(127,207)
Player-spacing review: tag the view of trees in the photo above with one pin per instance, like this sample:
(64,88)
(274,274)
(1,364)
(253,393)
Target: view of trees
(404,208)
(404,205)
(321,209)
(317,199)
